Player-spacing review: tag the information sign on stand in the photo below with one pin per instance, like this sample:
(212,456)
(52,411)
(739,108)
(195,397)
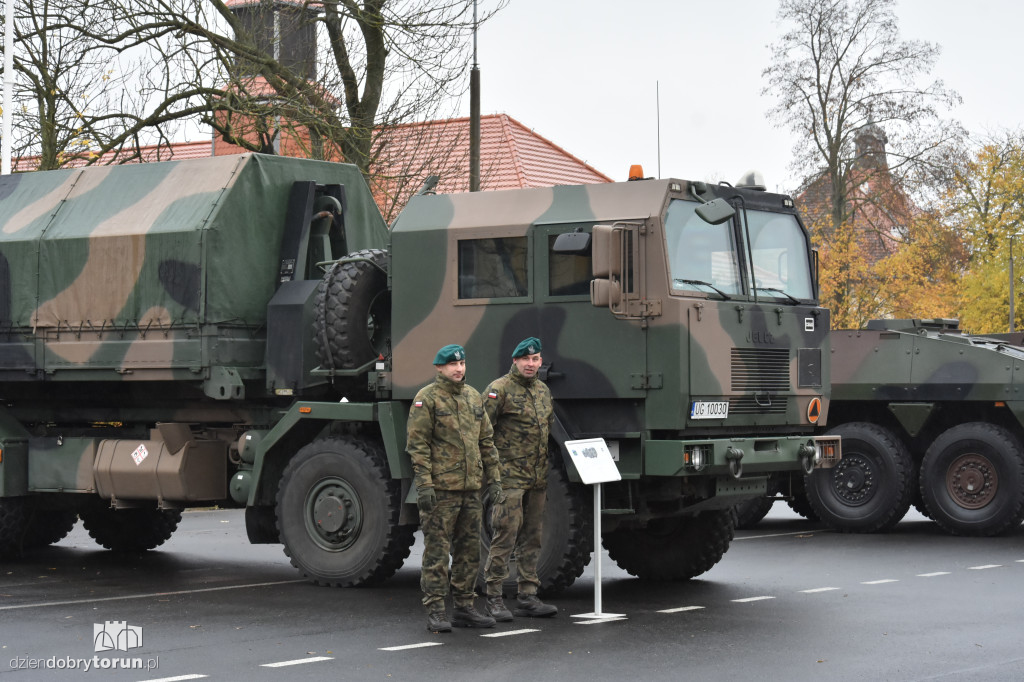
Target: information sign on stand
(595,465)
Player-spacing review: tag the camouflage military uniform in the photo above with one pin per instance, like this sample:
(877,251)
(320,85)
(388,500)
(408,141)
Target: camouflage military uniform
(521,411)
(450,442)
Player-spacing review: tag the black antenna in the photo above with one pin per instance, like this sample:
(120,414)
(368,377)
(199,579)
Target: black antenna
(474,116)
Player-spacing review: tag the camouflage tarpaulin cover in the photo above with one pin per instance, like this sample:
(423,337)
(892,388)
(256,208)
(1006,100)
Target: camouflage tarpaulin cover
(180,242)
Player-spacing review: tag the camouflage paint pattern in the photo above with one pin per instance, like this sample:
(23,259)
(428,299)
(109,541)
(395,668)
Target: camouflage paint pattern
(453,527)
(627,378)
(134,268)
(450,440)
(927,368)
(517,525)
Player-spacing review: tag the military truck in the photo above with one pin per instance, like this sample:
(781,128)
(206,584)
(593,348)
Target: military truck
(929,417)
(247,331)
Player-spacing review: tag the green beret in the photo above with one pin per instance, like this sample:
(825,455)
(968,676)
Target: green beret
(450,353)
(527,347)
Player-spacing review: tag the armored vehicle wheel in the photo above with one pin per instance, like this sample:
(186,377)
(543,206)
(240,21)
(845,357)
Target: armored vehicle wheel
(352,314)
(870,489)
(750,512)
(47,526)
(972,480)
(130,530)
(13,519)
(567,542)
(337,514)
(672,549)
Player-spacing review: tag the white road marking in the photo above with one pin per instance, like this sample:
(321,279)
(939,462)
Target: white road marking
(982,568)
(511,632)
(681,609)
(179,678)
(748,599)
(410,646)
(774,535)
(880,582)
(146,596)
(819,589)
(932,575)
(297,661)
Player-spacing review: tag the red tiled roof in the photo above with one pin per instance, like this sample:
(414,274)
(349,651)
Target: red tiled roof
(176,150)
(511,155)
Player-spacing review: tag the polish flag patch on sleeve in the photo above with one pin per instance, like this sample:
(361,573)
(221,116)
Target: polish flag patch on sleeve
(492,394)
(418,403)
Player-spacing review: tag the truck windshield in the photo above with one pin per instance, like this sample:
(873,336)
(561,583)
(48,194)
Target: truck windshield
(700,252)
(705,257)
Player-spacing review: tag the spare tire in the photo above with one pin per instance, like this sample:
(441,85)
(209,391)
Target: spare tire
(352,313)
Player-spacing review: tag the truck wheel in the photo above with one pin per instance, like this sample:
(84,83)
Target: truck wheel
(48,526)
(869,490)
(750,512)
(672,549)
(797,500)
(130,530)
(13,519)
(972,480)
(352,312)
(567,537)
(337,514)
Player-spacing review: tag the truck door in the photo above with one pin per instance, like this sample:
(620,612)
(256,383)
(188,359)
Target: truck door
(590,351)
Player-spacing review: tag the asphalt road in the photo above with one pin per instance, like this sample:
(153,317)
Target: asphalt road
(789,601)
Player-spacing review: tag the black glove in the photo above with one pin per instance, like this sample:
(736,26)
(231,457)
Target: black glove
(427,500)
(495,492)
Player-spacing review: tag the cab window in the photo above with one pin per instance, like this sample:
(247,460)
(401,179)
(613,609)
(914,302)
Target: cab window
(493,268)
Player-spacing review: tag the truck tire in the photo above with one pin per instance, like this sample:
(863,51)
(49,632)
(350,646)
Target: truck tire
(568,537)
(797,499)
(352,311)
(750,512)
(48,526)
(972,480)
(13,520)
(130,530)
(672,549)
(869,490)
(337,514)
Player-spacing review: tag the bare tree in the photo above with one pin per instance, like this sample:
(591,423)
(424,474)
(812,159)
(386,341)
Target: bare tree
(379,63)
(840,70)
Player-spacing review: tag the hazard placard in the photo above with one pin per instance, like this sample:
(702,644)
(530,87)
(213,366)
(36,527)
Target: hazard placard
(814,410)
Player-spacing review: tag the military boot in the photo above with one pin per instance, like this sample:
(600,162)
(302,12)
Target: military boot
(437,621)
(529,605)
(469,617)
(495,608)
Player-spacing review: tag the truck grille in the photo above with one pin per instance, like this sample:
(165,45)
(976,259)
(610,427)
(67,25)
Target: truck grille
(756,370)
(762,404)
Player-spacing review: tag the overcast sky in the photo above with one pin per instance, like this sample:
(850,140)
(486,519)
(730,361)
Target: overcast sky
(585,73)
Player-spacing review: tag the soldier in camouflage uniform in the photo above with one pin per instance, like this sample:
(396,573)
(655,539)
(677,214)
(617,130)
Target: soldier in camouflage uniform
(519,407)
(450,443)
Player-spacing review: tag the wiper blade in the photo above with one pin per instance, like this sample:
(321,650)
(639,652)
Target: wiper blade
(703,283)
(794,299)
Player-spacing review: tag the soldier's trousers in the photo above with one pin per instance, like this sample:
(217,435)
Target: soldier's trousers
(516,524)
(453,527)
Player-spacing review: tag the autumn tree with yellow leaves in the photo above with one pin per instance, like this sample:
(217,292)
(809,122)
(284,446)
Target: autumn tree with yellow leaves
(986,205)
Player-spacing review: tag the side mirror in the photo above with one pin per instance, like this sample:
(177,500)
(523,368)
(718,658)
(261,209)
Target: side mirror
(716,211)
(577,243)
(605,293)
(607,260)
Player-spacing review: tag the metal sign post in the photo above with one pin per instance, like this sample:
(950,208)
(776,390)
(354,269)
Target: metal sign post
(595,465)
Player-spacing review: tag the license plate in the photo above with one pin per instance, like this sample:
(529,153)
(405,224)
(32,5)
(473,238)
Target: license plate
(709,410)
